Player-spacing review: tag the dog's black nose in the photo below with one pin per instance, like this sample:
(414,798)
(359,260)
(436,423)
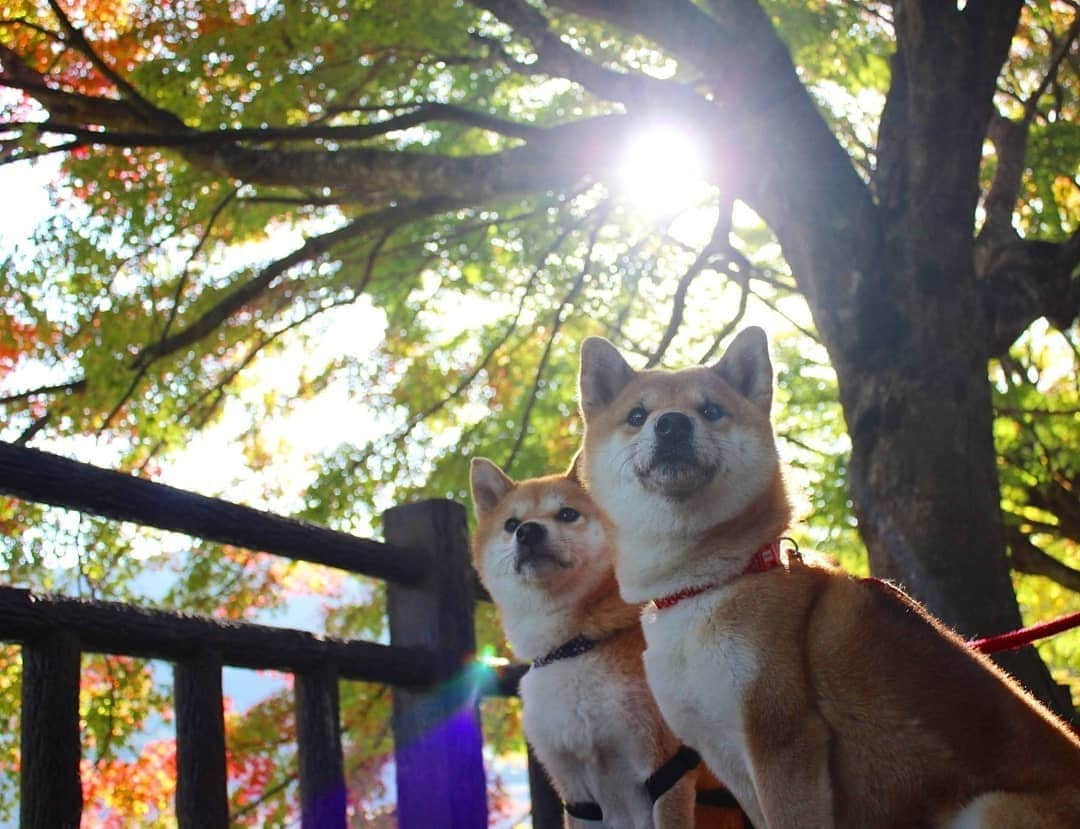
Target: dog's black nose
(673,427)
(530,533)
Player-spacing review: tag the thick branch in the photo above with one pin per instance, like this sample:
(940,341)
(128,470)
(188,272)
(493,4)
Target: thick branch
(65,105)
(1027,558)
(989,28)
(426,113)
(557,162)
(131,96)
(1021,281)
(554,57)
(1010,145)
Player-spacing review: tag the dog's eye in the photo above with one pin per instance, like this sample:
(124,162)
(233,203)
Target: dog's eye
(711,411)
(637,416)
(511,524)
(567,514)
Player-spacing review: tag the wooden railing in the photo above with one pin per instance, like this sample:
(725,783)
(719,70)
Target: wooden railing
(431,591)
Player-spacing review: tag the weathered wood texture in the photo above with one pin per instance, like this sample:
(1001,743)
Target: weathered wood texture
(202,799)
(109,627)
(437,738)
(50,791)
(547,806)
(38,476)
(318,733)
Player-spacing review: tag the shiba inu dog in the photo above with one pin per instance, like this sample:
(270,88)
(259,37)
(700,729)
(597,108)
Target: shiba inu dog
(543,550)
(821,700)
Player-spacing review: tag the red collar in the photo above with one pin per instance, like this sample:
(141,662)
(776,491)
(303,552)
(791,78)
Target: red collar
(764,559)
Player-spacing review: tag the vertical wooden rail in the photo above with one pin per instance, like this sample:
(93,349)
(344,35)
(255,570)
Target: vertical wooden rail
(50,790)
(318,734)
(202,799)
(547,807)
(437,738)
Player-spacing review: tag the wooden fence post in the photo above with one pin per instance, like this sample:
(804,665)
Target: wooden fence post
(437,739)
(50,790)
(318,736)
(547,807)
(202,799)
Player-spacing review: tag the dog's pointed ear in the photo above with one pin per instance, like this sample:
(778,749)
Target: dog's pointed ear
(604,373)
(489,484)
(574,472)
(746,366)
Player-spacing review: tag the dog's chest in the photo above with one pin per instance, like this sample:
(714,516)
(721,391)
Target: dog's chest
(594,730)
(700,677)
(578,704)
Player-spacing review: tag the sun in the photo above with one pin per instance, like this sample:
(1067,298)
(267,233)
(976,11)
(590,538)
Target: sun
(662,171)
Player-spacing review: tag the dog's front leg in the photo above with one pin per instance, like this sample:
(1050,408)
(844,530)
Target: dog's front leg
(675,808)
(791,776)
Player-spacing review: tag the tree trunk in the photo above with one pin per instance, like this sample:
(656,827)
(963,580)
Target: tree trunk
(924,479)
(893,290)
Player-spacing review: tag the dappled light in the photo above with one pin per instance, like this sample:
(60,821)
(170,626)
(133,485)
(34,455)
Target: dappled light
(312,258)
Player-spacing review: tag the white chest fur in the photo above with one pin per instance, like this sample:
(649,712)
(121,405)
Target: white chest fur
(700,677)
(591,729)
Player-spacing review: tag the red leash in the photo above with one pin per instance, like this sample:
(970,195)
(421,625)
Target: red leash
(1025,636)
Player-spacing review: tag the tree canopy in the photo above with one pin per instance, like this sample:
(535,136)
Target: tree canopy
(364,239)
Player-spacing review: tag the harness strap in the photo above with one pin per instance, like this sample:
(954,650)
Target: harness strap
(661,780)
(723,799)
(584,811)
(660,783)
(720,798)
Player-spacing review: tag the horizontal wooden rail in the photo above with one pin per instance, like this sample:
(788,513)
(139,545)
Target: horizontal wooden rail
(45,478)
(111,627)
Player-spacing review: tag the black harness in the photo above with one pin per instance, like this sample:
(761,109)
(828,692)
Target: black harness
(660,781)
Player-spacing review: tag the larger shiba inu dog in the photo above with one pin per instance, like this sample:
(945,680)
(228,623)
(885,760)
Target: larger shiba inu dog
(543,550)
(820,699)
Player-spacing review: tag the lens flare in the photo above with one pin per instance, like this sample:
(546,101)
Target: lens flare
(663,171)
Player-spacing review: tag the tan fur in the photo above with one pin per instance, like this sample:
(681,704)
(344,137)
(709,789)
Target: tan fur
(590,719)
(821,699)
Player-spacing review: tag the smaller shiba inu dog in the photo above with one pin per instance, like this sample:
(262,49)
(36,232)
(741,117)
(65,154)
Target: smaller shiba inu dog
(543,550)
(820,699)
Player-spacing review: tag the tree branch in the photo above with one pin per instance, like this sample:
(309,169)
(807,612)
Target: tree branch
(64,104)
(1027,558)
(556,326)
(423,114)
(70,387)
(148,112)
(1021,281)
(311,249)
(703,261)
(566,155)
(1010,145)
(731,324)
(554,57)
(1031,106)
